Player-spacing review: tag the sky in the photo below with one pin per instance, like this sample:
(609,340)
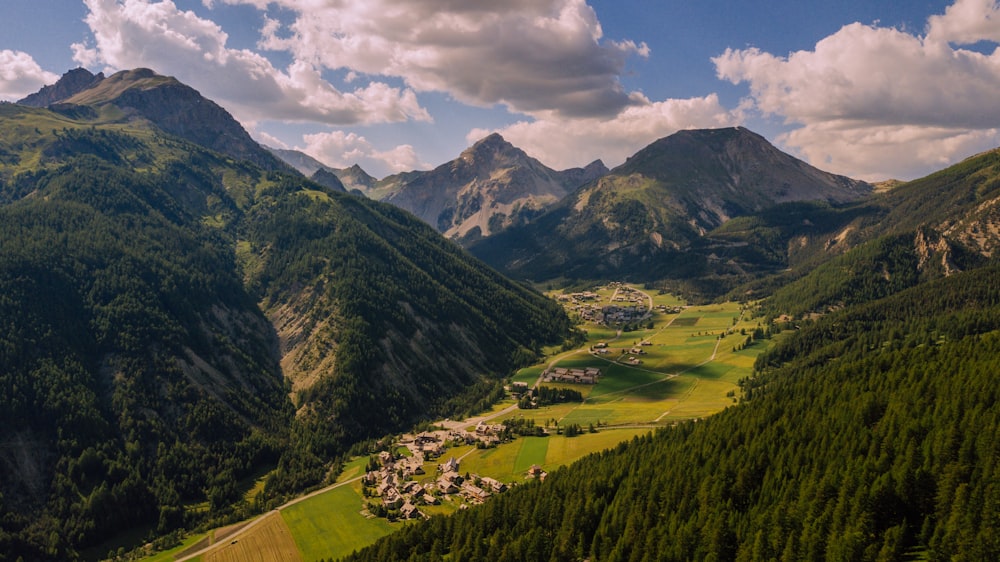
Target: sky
(873,89)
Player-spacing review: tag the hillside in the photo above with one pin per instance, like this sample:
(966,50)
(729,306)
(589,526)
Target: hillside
(175,320)
(490,187)
(648,219)
(927,228)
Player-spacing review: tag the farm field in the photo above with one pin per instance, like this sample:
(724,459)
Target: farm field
(331,524)
(270,540)
(690,359)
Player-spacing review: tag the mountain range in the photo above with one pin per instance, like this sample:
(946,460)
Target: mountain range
(180,311)
(491,186)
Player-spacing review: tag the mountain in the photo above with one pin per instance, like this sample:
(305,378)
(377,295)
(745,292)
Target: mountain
(931,227)
(328,179)
(175,320)
(648,218)
(352,178)
(171,106)
(301,161)
(490,187)
(70,84)
(355,178)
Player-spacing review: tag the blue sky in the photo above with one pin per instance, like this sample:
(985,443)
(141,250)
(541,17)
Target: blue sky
(872,89)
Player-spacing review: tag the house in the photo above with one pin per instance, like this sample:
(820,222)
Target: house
(446,487)
(473,492)
(495,485)
(450,466)
(392,499)
(536,472)
(409,511)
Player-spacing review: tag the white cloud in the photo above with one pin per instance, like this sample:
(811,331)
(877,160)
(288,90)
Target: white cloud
(531,55)
(268,139)
(877,102)
(159,35)
(874,153)
(564,143)
(341,150)
(20,75)
(966,22)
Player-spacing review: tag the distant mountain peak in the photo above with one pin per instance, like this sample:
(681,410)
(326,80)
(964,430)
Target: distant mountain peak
(492,149)
(170,105)
(70,84)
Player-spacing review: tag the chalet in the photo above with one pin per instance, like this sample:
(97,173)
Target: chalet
(409,511)
(473,492)
(446,487)
(392,499)
(536,472)
(385,457)
(450,466)
(495,485)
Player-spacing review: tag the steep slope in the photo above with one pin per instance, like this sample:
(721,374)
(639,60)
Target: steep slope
(355,178)
(930,227)
(160,300)
(648,217)
(490,187)
(328,179)
(172,107)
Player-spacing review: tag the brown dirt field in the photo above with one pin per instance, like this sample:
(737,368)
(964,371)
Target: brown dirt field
(270,541)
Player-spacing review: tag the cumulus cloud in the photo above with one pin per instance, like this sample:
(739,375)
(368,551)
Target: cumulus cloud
(20,75)
(341,150)
(159,35)
(877,102)
(564,143)
(530,55)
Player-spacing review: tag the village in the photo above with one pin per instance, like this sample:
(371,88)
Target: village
(401,482)
(628,306)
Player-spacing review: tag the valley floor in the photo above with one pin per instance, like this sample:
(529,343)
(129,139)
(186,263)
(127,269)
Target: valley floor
(661,362)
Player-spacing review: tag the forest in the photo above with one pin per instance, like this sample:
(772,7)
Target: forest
(142,279)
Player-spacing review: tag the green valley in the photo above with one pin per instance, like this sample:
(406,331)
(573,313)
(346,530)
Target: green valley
(692,364)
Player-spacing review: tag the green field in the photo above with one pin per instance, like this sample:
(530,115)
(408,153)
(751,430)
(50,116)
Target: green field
(331,524)
(689,369)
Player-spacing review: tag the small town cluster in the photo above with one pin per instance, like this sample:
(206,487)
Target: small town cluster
(589,375)
(393,478)
(587,304)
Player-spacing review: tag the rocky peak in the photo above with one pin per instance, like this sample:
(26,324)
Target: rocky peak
(326,178)
(493,151)
(70,84)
